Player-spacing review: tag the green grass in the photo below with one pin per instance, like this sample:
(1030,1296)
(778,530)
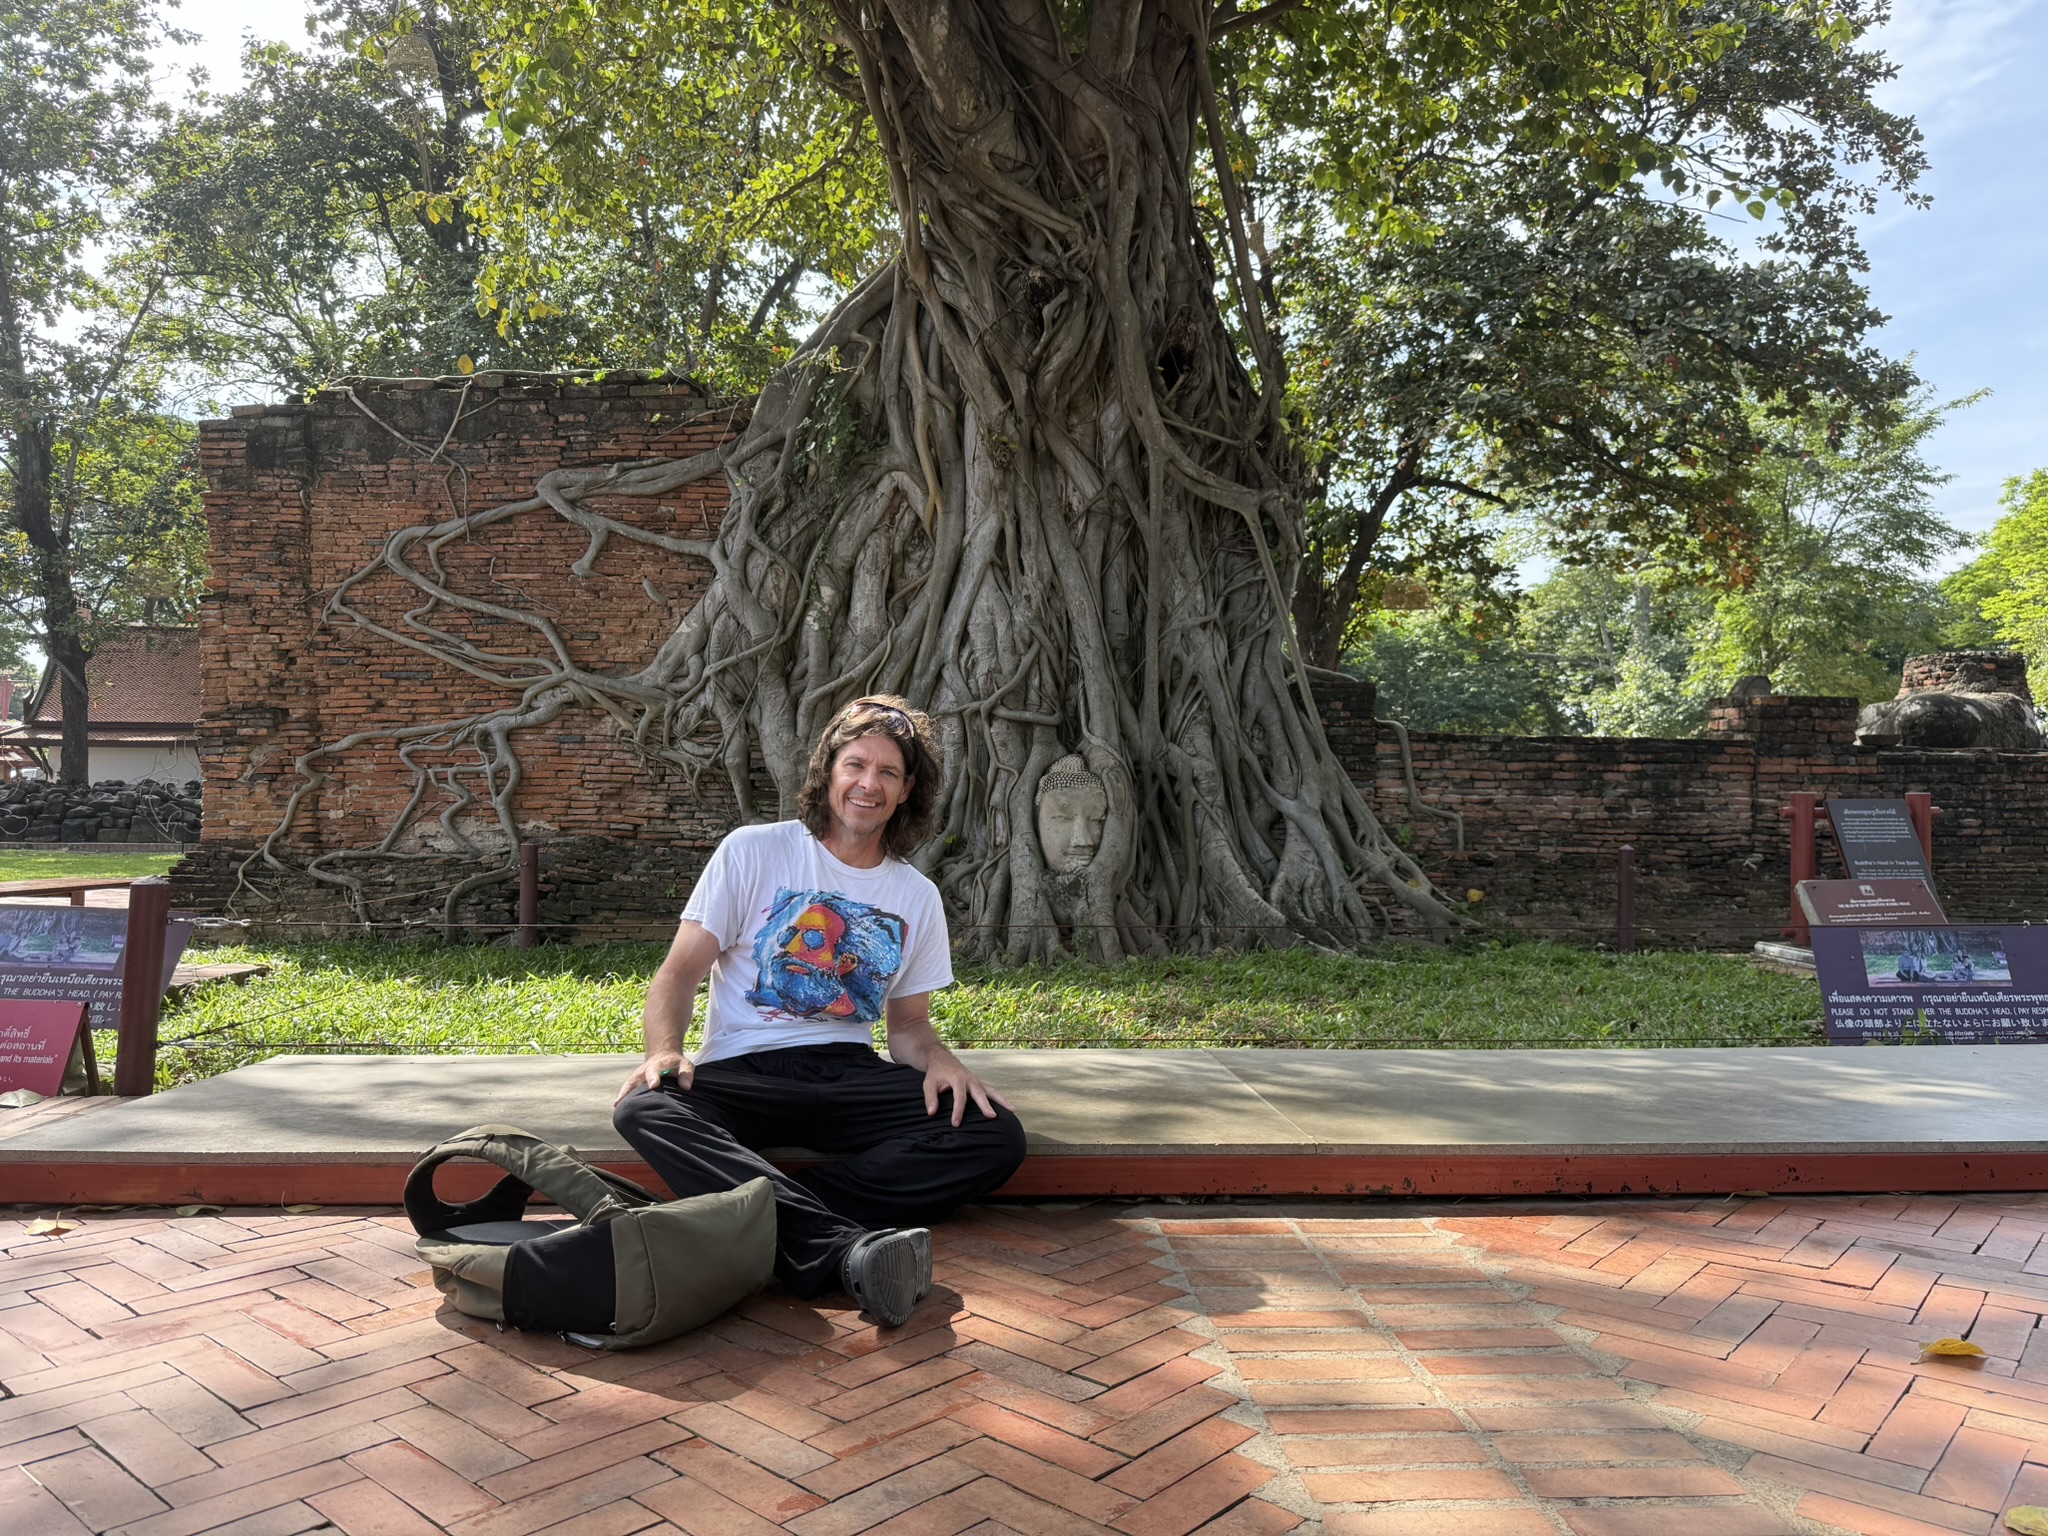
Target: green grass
(1476,994)
(24,864)
(423,998)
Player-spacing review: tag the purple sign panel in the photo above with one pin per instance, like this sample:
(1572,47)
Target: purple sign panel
(1956,983)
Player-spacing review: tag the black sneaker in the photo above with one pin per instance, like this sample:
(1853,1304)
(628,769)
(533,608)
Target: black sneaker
(889,1273)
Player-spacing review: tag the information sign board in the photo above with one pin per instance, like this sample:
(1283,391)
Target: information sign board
(64,953)
(36,1042)
(1878,840)
(1955,983)
(1862,903)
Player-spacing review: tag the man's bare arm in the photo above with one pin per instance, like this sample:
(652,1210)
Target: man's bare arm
(914,1043)
(671,999)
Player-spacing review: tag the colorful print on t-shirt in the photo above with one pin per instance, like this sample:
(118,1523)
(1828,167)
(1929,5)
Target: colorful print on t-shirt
(821,955)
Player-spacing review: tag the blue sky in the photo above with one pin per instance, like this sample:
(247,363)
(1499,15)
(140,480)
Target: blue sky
(1964,282)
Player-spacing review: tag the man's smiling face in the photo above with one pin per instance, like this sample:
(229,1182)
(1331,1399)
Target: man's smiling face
(868,783)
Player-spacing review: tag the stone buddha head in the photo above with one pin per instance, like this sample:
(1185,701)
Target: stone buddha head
(1073,807)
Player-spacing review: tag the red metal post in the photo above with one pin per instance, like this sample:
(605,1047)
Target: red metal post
(1625,902)
(1921,807)
(1799,809)
(142,986)
(529,896)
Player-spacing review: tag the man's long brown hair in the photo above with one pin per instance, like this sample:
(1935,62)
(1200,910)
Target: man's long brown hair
(924,763)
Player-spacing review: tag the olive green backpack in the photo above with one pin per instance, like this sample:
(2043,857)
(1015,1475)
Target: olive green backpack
(623,1267)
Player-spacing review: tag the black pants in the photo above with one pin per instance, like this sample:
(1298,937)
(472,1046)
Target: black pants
(901,1167)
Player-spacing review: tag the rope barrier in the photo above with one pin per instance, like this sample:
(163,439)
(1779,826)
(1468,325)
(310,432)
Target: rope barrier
(666,926)
(1057,1042)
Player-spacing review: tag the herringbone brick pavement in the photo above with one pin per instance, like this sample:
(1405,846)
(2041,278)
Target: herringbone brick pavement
(1685,1368)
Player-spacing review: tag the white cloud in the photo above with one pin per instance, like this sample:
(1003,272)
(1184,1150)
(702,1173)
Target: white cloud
(221,27)
(1948,53)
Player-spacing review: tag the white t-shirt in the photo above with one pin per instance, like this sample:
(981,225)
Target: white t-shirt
(810,948)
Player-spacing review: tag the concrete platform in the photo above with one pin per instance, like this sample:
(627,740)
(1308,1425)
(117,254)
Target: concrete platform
(344,1129)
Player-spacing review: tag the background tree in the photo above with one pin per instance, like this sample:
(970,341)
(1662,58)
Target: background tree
(1833,590)
(1618,642)
(315,214)
(89,459)
(1840,586)
(2004,591)
(1446,669)
(676,180)
(330,218)
(1520,326)
(1587,651)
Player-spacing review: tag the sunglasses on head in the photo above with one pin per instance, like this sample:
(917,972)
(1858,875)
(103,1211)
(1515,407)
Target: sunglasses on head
(898,722)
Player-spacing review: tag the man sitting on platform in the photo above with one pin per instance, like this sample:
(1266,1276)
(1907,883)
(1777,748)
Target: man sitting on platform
(811,931)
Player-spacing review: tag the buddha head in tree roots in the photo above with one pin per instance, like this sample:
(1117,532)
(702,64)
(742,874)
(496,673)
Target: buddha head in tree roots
(1073,809)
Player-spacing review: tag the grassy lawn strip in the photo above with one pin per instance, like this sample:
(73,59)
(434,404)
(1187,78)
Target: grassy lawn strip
(25,864)
(421,998)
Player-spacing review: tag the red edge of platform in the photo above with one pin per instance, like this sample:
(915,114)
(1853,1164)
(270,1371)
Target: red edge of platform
(1521,1175)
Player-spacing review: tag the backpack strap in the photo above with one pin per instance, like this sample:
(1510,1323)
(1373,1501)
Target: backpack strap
(590,1194)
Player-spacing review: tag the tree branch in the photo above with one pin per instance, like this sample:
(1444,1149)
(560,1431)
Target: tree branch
(1241,20)
(116,364)
(785,280)
(1438,483)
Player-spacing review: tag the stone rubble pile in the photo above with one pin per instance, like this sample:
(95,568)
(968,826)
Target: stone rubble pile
(111,811)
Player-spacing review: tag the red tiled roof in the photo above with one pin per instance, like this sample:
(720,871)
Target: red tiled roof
(143,675)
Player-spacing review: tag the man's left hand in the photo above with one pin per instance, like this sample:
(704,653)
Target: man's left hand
(949,1076)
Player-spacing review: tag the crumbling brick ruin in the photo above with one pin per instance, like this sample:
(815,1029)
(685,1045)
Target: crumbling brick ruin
(301,495)
(1967,672)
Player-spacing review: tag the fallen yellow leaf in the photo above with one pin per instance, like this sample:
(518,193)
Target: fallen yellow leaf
(1752,1194)
(200,1210)
(300,1210)
(1962,1348)
(2028,1520)
(51,1226)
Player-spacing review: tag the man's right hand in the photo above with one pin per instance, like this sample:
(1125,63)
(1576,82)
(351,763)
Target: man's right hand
(648,1073)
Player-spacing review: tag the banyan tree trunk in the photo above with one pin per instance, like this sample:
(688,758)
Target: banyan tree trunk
(1022,476)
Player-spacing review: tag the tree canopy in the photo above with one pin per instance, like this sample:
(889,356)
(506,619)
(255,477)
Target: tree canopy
(1481,241)
(315,212)
(1835,589)
(1840,587)
(1553,313)
(2007,585)
(97,483)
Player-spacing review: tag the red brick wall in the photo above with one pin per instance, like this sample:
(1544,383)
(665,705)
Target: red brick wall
(301,496)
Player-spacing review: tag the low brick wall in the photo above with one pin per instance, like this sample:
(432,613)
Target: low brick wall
(301,496)
(1546,817)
